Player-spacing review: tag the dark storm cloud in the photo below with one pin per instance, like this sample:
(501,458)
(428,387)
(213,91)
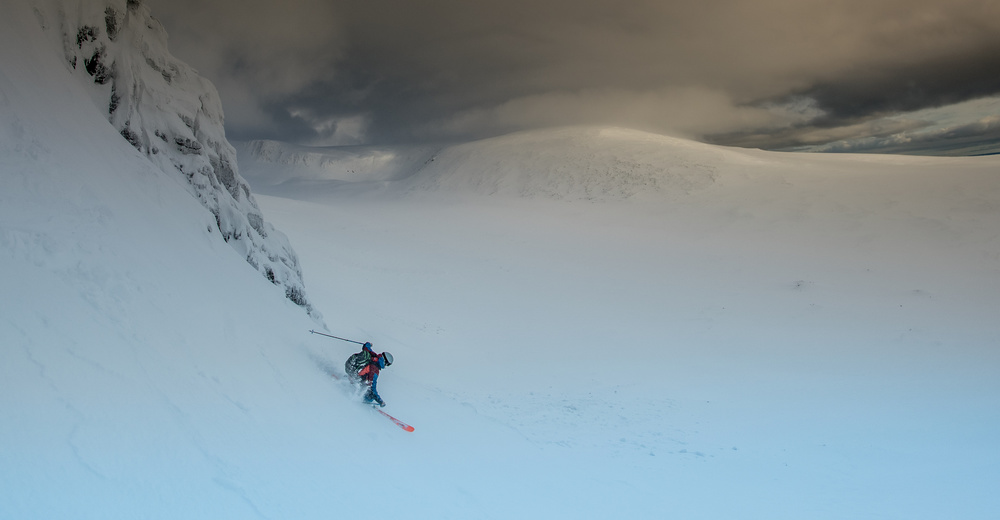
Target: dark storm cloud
(399,71)
(912,86)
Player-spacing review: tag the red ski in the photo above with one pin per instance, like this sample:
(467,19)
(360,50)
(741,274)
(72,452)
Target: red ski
(399,423)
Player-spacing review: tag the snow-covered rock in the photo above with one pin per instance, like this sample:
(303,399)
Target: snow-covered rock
(163,108)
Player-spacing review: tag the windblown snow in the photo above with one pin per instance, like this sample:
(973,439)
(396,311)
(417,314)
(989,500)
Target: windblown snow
(586,322)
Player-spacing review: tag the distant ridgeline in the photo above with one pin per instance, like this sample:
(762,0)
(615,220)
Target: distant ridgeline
(166,111)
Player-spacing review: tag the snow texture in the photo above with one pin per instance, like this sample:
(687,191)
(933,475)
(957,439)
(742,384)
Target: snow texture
(676,329)
(586,323)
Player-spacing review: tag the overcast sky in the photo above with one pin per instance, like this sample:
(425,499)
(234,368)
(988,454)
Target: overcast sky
(762,73)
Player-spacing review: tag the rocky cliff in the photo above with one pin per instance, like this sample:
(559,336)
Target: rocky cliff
(173,116)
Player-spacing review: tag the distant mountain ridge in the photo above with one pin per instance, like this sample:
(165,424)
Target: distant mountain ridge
(163,108)
(572,163)
(268,163)
(568,163)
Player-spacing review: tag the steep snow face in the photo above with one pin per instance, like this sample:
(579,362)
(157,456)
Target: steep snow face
(133,343)
(173,116)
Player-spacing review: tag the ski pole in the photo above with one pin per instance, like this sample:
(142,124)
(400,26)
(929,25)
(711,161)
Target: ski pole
(335,337)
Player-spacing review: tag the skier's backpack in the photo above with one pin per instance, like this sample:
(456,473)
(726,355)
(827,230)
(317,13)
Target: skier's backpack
(356,362)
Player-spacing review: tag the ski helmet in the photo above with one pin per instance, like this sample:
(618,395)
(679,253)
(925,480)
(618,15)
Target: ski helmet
(367,345)
(387,357)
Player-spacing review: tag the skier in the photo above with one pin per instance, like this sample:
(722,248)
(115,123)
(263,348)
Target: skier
(363,368)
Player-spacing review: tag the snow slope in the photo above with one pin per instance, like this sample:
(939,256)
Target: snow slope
(145,370)
(131,372)
(680,330)
(664,330)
